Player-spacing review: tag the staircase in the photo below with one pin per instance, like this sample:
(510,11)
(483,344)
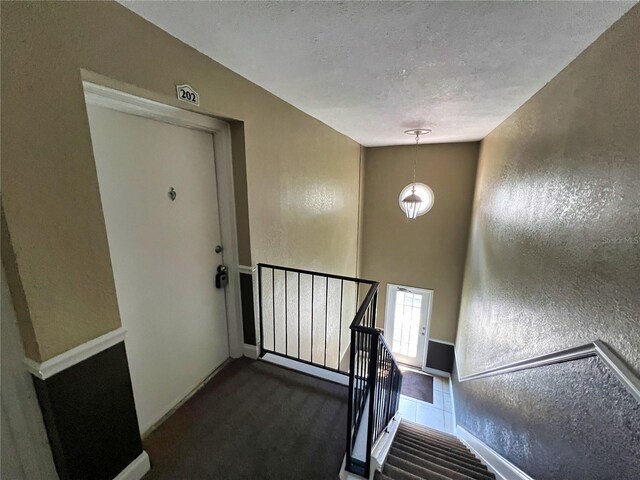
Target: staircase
(422,453)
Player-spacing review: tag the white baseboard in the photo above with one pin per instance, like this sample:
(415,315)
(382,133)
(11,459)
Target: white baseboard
(136,469)
(250,351)
(342,379)
(497,464)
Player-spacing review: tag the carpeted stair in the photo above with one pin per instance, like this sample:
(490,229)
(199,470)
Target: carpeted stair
(422,453)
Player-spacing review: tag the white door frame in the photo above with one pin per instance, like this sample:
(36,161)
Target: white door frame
(388,316)
(142,107)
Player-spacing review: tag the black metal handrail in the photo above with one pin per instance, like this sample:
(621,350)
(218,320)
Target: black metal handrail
(375,381)
(302,314)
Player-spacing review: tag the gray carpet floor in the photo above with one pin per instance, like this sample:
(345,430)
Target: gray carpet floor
(254,420)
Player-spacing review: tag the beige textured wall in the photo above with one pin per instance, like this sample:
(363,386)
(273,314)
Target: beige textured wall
(554,263)
(302,176)
(428,252)
(554,251)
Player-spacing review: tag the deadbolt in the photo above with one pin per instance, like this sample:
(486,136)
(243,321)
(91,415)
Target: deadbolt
(218,248)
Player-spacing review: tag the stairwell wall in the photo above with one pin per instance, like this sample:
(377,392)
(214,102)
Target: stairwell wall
(553,262)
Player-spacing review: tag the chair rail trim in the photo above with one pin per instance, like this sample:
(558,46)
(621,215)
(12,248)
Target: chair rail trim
(593,349)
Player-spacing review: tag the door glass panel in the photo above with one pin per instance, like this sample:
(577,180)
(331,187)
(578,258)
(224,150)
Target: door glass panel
(406,325)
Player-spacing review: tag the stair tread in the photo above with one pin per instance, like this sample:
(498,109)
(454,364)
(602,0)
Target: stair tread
(417,470)
(435,438)
(458,447)
(441,459)
(445,461)
(456,454)
(469,457)
(381,476)
(455,471)
(427,431)
(396,473)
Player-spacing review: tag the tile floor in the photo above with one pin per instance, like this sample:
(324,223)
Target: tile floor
(437,415)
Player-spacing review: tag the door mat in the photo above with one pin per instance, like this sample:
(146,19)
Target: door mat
(418,386)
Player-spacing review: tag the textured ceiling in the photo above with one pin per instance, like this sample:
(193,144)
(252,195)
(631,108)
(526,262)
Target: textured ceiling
(373,69)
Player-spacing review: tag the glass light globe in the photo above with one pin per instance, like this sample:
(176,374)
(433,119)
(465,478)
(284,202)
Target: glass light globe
(415,200)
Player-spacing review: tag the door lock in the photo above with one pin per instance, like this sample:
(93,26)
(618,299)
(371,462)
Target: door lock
(222,277)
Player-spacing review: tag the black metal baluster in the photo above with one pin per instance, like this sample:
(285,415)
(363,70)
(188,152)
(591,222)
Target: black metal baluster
(286,316)
(392,387)
(375,308)
(360,368)
(382,384)
(326,319)
(387,394)
(376,415)
(273,304)
(260,310)
(373,353)
(313,277)
(350,422)
(356,348)
(340,326)
(378,389)
(298,315)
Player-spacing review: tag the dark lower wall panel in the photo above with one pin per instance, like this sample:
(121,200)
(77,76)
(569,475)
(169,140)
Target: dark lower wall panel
(90,416)
(566,421)
(248,318)
(440,356)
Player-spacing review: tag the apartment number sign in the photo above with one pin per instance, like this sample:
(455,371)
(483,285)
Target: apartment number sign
(187,94)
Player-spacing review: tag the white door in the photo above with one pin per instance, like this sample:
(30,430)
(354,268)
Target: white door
(162,253)
(407,323)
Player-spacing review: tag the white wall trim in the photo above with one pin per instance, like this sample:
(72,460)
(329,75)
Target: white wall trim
(250,351)
(124,102)
(442,341)
(453,404)
(136,469)
(381,448)
(106,97)
(435,371)
(227,210)
(246,269)
(594,349)
(497,464)
(61,362)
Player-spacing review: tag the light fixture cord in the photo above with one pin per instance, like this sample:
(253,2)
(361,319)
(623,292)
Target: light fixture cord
(415,159)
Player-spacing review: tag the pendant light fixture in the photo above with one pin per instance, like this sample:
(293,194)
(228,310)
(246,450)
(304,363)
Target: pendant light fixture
(420,199)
